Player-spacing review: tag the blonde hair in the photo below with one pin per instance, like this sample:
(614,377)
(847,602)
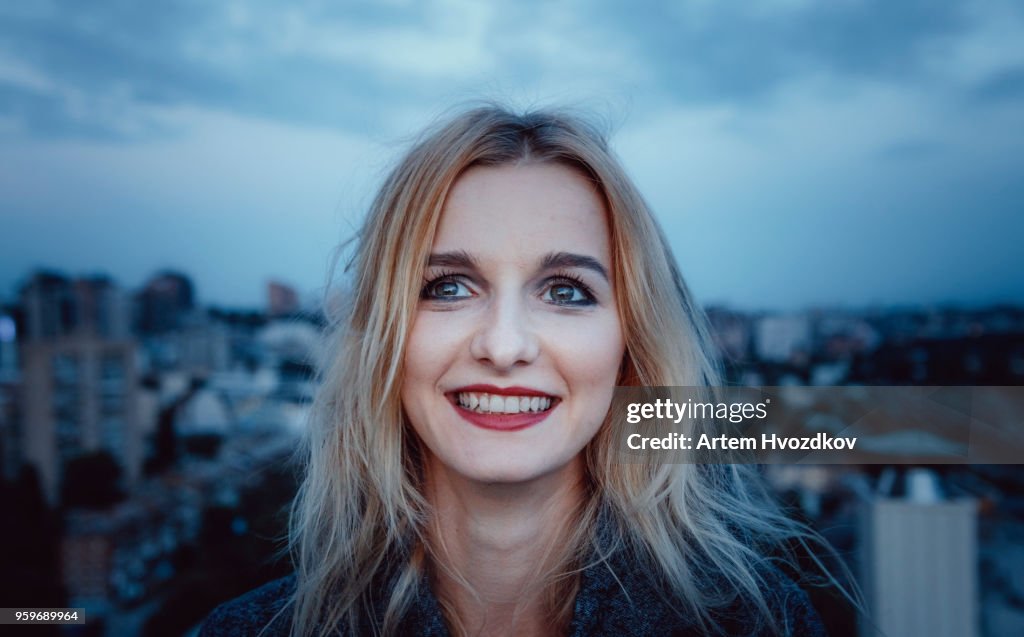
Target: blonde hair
(359,522)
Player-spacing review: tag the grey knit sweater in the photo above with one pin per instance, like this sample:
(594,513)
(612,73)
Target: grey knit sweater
(615,599)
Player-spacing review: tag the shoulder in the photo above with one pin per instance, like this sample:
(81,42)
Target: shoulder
(623,599)
(790,605)
(252,612)
(791,610)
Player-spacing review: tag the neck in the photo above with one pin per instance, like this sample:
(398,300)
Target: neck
(494,539)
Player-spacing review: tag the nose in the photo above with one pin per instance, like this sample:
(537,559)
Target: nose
(505,338)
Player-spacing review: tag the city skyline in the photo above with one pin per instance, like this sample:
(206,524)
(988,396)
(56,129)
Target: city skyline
(147,445)
(797,154)
(311,300)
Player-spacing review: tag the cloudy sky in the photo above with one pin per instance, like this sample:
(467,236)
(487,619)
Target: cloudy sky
(799,153)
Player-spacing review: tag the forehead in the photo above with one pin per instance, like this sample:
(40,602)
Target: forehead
(520,212)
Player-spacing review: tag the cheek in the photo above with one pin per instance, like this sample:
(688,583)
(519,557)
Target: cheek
(590,355)
(430,352)
(419,374)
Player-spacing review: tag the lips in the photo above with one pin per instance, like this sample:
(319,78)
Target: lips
(502,408)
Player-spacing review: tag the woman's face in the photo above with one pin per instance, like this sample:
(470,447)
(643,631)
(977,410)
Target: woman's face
(516,344)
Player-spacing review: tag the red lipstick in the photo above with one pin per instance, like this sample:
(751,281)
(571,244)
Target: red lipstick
(502,422)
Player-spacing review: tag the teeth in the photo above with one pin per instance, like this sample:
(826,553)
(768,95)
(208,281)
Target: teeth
(495,404)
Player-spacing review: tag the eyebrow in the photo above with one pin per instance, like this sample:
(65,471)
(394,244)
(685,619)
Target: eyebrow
(551,261)
(456,259)
(570,260)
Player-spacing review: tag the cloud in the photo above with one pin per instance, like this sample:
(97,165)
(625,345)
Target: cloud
(236,200)
(85,69)
(909,149)
(793,120)
(733,51)
(878,195)
(1002,86)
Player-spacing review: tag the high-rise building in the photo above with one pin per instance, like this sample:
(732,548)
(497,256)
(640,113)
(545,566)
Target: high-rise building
(78,377)
(8,345)
(282,300)
(200,346)
(10,391)
(164,302)
(919,554)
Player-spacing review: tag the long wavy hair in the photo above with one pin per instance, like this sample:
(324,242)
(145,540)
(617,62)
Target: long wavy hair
(359,531)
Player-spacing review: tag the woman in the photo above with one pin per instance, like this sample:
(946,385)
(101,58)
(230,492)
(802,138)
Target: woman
(461,474)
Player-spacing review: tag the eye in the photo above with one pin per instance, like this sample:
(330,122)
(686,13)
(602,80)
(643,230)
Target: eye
(569,292)
(445,288)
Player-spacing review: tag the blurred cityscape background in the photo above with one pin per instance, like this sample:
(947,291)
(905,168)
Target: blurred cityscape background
(146,445)
(174,178)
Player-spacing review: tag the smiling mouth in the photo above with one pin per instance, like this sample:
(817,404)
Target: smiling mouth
(500,404)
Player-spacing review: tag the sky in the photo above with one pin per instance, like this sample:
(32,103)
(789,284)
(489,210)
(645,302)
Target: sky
(842,153)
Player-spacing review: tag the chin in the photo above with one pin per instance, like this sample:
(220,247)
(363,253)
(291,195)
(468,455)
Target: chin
(504,472)
(506,468)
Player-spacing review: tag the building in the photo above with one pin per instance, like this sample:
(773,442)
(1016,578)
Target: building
(282,300)
(200,346)
(10,433)
(78,377)
(10,391)
(784,338)
(919,560)
(731,333)
(164,302)
(8,345)
(118,557)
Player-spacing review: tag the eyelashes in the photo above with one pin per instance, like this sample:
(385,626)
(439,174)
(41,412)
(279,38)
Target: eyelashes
(564,280)
(448,287)
(430,288)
